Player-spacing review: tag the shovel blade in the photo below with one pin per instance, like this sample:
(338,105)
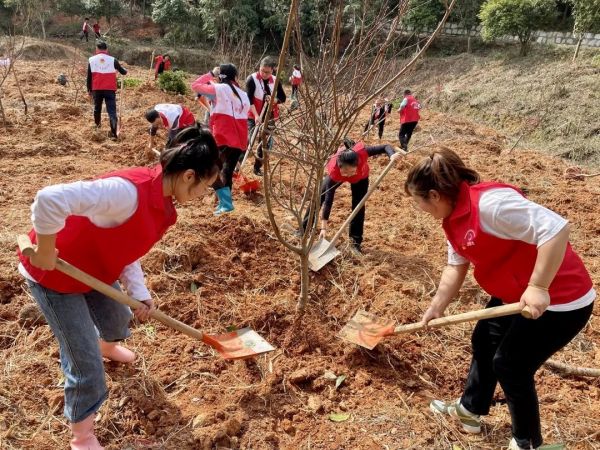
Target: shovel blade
(238,344)
(245,184)
(320,255)
(366,329)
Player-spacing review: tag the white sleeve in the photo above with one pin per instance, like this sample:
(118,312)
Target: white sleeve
(454,259)
(132,278)
(107,202)
(403,103)
(506,214)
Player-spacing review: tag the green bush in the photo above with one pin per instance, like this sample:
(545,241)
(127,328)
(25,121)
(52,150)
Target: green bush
(129,82)
(173,81)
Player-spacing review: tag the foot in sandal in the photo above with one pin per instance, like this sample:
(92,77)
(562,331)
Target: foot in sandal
(471,423)
(116,352)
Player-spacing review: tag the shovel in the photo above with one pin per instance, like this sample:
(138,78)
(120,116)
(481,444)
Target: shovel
(324,251)
(121,100)
(367,330)
(238,344)
(245,184)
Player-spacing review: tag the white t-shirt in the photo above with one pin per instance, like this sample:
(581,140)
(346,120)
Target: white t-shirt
(506,214)
(106,202)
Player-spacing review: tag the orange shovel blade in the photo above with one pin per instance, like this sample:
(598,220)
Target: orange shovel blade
(245,184)
(238,344)
(366,329)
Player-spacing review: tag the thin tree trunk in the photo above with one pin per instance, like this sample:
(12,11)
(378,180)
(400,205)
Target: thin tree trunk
(304,285)
(19,88)
(43,27)
(2,110)
(577,47)
(469,41)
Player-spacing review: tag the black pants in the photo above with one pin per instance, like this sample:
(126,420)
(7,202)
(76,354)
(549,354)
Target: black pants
(229,158)
(84,34)
(380,125)
(509,350)
(406,131)
(111,107)
(259,151)
(294,91)
(359,190)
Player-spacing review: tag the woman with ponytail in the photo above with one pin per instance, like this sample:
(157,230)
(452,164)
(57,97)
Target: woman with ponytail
(228,123)
(104,227)
(521,253)
(349,164)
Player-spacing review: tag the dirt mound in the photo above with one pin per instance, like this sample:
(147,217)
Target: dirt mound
(40,50)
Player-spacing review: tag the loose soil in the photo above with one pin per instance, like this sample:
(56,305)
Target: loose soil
(213,273)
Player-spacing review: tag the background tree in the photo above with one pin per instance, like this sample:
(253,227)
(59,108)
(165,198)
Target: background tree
(466,14)
(340,81)
(181,18)
(423,15)
(104,8)
(515,18)
(587,20)
(34,10)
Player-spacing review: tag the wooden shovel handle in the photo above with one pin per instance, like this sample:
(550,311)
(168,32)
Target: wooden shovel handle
(487,313)
(28,250)
(361,203)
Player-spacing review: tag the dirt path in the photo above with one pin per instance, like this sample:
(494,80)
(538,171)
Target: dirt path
(214,273)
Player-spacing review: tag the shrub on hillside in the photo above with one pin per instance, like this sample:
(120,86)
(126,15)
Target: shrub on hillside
(173,81)
(515,18)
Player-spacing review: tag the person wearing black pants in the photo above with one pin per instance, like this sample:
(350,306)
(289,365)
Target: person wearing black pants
(521,254)
(349,164)
(102,85)
(380,111)
(405,133)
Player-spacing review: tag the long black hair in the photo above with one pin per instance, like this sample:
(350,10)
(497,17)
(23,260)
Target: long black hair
(228,74)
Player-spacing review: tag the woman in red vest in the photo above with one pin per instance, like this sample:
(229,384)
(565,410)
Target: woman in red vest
(350,164)
(104,227)
(521,253)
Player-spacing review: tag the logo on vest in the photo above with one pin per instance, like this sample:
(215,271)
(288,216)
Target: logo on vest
(469,239)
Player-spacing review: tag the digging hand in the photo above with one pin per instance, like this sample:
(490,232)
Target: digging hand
(433,312)
(537,299)
(143,312)
(45,260)
(396,156)
(323,234)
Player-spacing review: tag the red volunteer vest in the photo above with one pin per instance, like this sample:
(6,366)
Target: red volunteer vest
(157,62)
(503,267)
(362,170)
(175,117)
(104,252)
(410,113)
(229,117)
(259,95)
(104,74)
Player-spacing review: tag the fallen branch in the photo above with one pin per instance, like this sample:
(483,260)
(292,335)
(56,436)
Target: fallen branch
(566,369)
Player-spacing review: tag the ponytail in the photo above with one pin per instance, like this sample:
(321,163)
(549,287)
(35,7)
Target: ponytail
(443,171)
(228,74)
(196,150)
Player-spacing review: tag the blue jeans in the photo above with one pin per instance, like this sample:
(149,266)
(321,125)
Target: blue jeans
(76,320)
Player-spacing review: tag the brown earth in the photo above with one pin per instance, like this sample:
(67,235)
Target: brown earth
(213,273)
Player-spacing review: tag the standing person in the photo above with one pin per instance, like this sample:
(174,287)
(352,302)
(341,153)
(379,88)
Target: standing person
(102,85)
(163,64)
(296,81)
(521,254)
(228,122)
(207,100)
(169,116)
(409,118)
(104,227)
(349,165)
(96,28)
(259,87)
(85,30)
(378,115)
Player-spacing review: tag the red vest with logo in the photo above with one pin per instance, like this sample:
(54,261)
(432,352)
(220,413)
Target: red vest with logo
(259,95)
(229,117)
(362,171)
(175,117)
(503,267)
(104,74)
(104,252)
(410,113)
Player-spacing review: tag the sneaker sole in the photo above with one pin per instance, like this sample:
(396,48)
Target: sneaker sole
(468,428)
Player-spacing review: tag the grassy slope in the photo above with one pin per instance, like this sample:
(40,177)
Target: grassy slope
(555,104)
